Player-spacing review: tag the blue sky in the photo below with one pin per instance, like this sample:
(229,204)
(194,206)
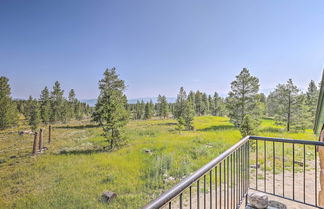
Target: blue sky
(158,46)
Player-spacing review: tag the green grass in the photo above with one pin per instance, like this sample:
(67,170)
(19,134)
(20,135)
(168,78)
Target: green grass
(75,170)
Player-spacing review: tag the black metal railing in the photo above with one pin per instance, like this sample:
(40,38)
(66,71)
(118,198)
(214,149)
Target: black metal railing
(264,164)
(286,168)
(222,183)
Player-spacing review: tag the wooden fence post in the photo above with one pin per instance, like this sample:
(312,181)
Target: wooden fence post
(35,143)
(40,143)
(49,133)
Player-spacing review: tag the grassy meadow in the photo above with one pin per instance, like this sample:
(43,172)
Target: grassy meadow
(75,170)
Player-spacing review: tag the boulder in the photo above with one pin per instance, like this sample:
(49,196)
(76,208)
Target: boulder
(25,132)
(107,196)
(148,151)
(276,205)
(258,200)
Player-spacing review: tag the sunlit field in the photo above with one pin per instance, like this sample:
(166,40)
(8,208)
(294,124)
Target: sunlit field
(75,170)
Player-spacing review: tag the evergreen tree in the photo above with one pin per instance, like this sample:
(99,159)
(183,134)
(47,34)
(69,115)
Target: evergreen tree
(192,100)
(57,103)
(188,115)
(148,110)
(210,104)
(35,116)
(311,99)
(248,126)
(242,99)
(80,111)
(180,103)
(140,108)
(45,105)
(71,106)
(8,109)
(180,124)
(284,100)
(205,107)
(199,103)
(216,105)
(302,118)
(28,108)
(162,107)
(110,110)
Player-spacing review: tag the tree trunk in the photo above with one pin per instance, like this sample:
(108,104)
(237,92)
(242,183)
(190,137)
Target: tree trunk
(112,139)
(321,159)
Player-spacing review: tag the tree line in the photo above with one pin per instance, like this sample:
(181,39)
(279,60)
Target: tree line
(202,104)
(244,105)
(50,107)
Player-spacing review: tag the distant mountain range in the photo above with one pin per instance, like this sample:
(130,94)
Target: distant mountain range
(92,102)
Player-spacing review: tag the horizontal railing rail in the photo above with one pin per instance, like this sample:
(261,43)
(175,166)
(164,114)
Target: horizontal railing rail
(291,172)
(166,197)
(243,167)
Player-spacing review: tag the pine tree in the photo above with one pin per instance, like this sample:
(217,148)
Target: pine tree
(57,103)
(35,116)
(180,103)
(148,110)
(8,109)
(110,110)
(192,100)
(162,106)
(28,107)
(140,108)
(248,126)
(311,99)
(180,124)
(216,106)
(284,100)
(241,99)
(80,111)
(199,103)
(45,105)
(205,106)
(302,118)
(72,102)
(188,115)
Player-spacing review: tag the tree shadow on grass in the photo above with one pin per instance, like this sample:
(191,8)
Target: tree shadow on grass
(78,126)
(272,130)
(218,128)
(166,124)
(83,151)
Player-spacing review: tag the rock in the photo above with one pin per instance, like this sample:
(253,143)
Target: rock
(148,151)
(13,156)
(2,161)
(276,205)
(168,179)
(258,200)
(25,132)
(299,163)
(107,196)
(44,148)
